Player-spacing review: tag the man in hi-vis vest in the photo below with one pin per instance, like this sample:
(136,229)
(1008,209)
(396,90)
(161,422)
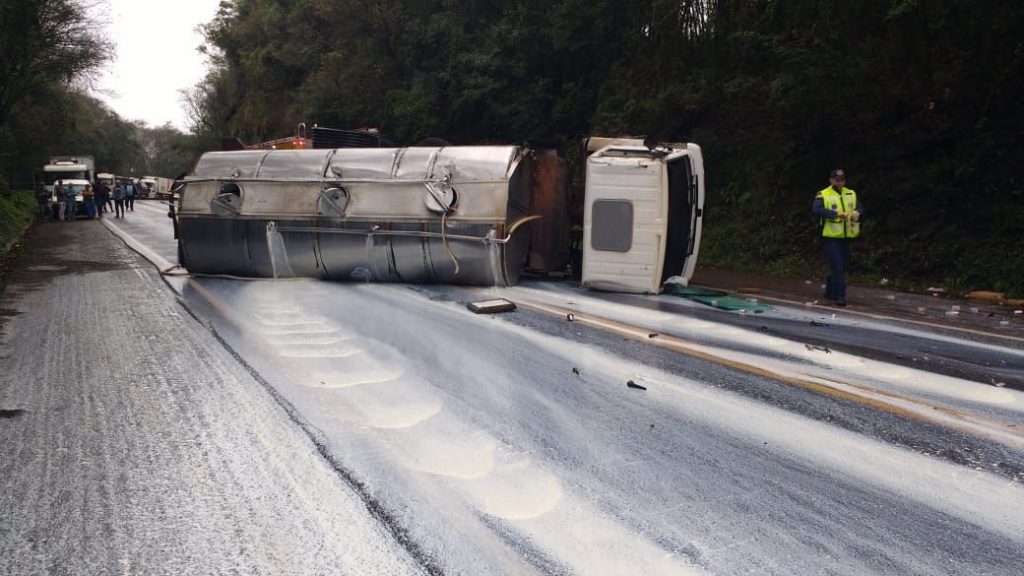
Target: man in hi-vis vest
(840,213)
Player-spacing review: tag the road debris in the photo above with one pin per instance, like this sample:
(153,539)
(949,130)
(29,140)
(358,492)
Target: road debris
(491,306)
(632,384)
(813,347)
(986,295)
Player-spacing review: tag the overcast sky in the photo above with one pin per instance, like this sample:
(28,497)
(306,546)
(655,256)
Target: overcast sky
(156,43)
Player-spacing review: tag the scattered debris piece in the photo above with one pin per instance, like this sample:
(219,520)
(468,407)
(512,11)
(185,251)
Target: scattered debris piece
(987,296)
(11,413)
(652,426)
(818,324)
(570,317)
(491,306)
(998,384)
(575,370)
(890,296)
(952,312)
(653,335)
(632,384)
(812,348)
(936,291)
(884,281)
(1004,322)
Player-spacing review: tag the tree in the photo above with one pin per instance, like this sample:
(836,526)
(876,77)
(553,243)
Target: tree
(44,42)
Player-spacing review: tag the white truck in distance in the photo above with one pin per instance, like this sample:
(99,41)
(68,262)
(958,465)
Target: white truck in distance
(72,172)
(68,168)
(156,187)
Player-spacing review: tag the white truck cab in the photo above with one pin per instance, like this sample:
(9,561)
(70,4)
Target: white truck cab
(643,210)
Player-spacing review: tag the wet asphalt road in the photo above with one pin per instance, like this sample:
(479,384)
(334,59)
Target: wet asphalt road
(954,356)
(317,428)
(134,444)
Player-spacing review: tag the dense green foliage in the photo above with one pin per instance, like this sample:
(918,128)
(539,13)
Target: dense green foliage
(914,98)
(16,212)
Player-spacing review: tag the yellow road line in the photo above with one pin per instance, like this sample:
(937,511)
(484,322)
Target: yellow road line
(933,414)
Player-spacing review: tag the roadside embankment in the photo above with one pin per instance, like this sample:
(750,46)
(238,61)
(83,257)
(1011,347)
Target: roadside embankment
(17,209)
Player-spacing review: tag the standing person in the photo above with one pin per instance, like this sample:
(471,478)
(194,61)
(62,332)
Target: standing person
(102,198)
(61,199)
(118,201)
(129,195)
(839,211)
(70,203)
(89,201)
(42,200)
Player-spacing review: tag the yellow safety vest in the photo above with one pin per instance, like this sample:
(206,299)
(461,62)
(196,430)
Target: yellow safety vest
(845,202)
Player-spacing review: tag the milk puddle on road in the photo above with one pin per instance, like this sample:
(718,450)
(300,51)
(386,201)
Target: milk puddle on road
(346,365)
(446,414)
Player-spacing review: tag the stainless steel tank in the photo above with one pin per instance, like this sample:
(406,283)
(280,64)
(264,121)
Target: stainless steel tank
(437,215)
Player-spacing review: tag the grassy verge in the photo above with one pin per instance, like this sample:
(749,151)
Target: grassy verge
(17,210)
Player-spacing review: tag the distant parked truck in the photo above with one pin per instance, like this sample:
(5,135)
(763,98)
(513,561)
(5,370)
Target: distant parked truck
(156,187)
(106,178)
(68,168)
(72,172)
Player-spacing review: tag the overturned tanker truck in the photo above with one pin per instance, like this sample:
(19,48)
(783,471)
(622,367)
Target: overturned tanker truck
(477,215)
